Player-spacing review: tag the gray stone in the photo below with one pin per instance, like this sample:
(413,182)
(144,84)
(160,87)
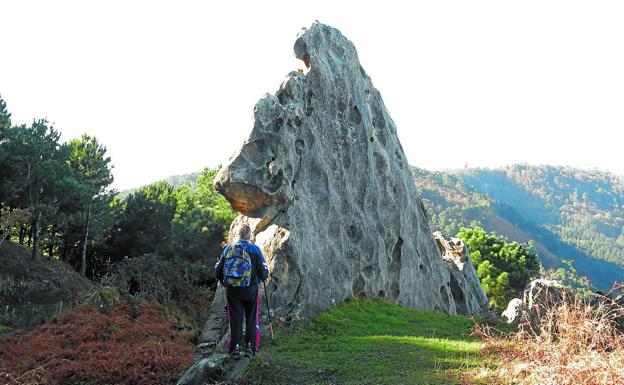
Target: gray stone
(205,371)
(216,325)
(537,298)
(511,315)
(540,295)
(326,186)
(465,285)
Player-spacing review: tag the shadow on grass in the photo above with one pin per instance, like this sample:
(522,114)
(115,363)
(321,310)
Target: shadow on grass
(370,343)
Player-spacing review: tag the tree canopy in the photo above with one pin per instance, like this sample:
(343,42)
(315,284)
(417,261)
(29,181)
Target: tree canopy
(55,197)
(504,268)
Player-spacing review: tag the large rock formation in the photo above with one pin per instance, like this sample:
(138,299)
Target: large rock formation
(326,186)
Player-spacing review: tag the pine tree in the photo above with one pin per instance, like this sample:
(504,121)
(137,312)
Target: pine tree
(87,157)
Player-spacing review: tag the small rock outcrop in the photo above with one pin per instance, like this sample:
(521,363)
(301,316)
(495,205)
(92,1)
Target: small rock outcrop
(465,285)
(328,191)
(536,298)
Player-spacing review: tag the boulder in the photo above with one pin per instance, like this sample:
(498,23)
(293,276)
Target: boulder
(326,186)
(539,295)
(542,293)
(204,370)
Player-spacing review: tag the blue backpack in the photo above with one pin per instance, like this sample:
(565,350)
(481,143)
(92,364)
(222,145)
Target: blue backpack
(237,267)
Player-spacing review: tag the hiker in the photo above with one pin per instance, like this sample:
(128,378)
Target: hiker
(240,269)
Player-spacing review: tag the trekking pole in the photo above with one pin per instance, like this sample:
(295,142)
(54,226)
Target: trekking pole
(266,297)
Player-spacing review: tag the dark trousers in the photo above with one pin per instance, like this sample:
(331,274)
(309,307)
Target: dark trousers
(242,303)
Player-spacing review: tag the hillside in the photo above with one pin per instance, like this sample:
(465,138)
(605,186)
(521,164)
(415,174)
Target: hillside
(174,180)
(568,213)
(33,291)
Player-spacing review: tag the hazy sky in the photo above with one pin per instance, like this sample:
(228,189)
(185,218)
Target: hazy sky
(169,87)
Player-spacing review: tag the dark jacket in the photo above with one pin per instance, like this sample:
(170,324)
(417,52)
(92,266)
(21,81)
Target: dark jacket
(259,272)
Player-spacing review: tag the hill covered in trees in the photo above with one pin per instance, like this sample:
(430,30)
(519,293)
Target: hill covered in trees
(568,213)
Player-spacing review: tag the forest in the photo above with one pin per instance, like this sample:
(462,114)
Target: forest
(571,216)
(143,253)
(56,198)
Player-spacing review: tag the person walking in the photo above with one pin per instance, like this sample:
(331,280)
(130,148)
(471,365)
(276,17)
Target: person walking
(240,269)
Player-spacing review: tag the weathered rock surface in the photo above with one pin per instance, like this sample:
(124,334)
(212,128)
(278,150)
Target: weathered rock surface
(536,298)
(465,285)
(328,190)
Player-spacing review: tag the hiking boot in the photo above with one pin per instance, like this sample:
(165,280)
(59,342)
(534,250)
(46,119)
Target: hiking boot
(249,351)
(236,352)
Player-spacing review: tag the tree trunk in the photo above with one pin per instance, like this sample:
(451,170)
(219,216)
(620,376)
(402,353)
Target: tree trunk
(22,234)
(83,258)
(30,234)
(65,246)
(35,235)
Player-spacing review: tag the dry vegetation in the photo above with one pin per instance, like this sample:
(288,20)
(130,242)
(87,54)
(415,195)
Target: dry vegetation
(133,344)
(564,342)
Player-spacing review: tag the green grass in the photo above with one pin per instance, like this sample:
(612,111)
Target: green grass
(370,342)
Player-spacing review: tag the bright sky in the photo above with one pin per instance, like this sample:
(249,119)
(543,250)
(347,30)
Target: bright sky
(169,87)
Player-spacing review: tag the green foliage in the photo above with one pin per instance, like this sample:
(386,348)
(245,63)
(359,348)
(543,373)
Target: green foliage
(188,221)
(5,118)
(570,213)
(569,277)
(88,158)
(34,172)
(201,218)
(93,173)
(10,219)
(74,216)
(504,268)
(450,203)
(370,342)
(144,223)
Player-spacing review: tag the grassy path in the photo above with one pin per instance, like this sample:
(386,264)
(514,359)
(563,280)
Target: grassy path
(371,342)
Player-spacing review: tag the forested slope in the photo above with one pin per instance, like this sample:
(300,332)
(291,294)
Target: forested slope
(569,213)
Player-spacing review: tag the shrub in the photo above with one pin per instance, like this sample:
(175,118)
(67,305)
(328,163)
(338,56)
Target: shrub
(575,341)
(153,276)
(504,268)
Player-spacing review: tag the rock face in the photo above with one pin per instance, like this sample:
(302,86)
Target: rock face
(326,186)
(465,285)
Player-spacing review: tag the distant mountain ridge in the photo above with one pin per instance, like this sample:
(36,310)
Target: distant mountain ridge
(570,213)
(175,181)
